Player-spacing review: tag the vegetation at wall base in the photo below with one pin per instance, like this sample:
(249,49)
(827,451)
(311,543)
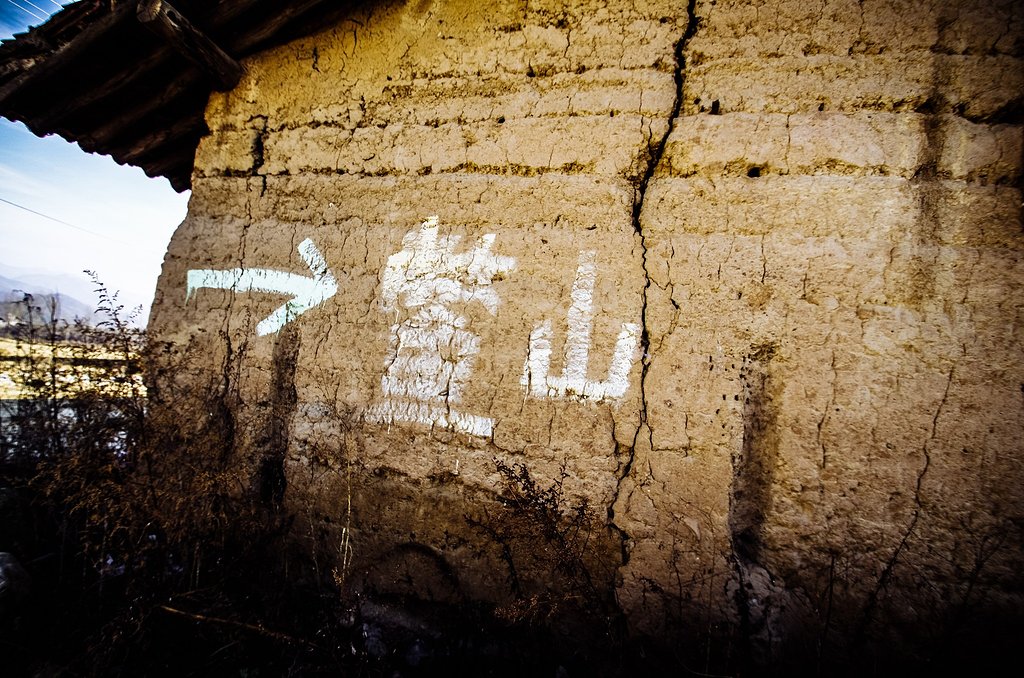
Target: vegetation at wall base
(143,556)
(135,546)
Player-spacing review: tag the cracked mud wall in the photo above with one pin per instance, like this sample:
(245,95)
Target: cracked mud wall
(525,124)
(809,212)
(842,186)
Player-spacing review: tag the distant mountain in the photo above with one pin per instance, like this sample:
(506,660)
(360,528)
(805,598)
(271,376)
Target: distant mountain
(76,292)
(46,292)
(75,285)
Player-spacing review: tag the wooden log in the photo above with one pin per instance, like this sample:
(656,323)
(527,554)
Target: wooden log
(68,55)
(143,148)
(161,18)
(177,169)
(128,76)
(135,109)
(279,20)
(101,92)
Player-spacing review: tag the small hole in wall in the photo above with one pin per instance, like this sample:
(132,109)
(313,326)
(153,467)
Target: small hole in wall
(821,107)
(501,120)
(715,108)
(754,172)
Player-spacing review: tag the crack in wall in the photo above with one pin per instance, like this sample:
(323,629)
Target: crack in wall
(655,151)
(830,406)
(259,143)
(631,469)
(887,572)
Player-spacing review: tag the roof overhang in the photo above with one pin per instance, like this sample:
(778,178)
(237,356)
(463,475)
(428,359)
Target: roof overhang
(131,79)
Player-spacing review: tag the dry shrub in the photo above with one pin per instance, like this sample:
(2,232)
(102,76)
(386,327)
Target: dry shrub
(557,554)
(140,508)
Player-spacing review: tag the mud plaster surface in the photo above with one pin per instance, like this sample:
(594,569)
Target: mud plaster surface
(812,210)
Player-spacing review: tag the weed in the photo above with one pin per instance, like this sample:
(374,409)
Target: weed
(555,556)
(135,520)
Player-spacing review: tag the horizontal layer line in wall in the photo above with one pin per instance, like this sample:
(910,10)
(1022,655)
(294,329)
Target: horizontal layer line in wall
(608,146)
(908,145)
(608,92)
(465,168)
(981,89)
(881,208)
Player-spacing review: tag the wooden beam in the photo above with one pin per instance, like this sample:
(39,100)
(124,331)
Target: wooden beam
(128,77)
(142,149)
(104,89)
(68,55)
(177,169)
(278,20)
(161,18)
(138,108)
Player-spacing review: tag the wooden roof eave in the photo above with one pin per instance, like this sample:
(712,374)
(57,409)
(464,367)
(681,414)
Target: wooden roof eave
(120,90)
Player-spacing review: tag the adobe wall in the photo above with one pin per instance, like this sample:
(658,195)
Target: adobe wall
(752,272)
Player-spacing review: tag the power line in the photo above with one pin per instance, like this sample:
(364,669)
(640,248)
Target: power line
(32,4)
(27,11)
(59,221)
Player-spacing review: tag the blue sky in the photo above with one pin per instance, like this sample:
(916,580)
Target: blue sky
(15,15)
(116,221)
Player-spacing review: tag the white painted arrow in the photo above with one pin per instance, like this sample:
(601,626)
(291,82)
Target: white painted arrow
(306,292)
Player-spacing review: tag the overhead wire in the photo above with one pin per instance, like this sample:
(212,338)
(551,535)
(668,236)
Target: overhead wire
(59,221)
(27,11)
(45,12)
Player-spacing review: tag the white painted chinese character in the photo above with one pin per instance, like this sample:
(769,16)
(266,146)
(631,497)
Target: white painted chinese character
(573,382)
(430,358)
